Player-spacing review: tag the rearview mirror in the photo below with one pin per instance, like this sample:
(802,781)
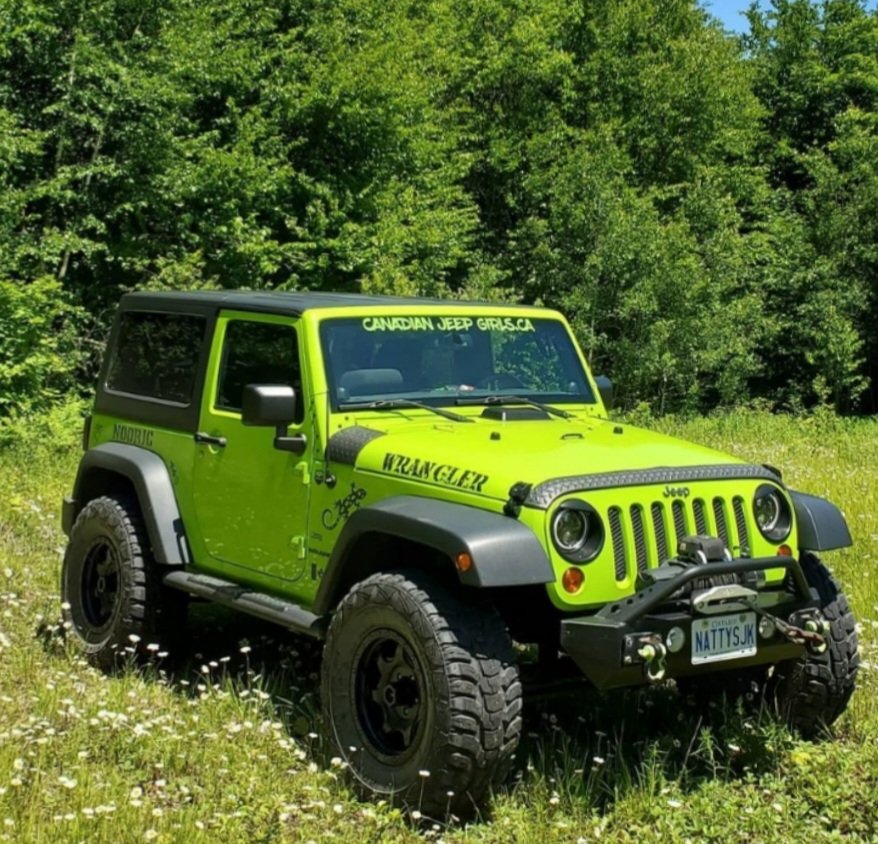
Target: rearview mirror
(273,405)
(605,388)
(268,405)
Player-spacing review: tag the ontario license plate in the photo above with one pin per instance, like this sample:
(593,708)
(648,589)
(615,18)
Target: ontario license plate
(723,637)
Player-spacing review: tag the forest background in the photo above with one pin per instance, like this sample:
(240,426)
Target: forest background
(702,205)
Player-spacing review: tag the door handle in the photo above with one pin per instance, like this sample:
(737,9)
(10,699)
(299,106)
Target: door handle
(207,439)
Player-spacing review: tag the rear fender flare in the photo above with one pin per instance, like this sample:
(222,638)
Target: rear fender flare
(149,476)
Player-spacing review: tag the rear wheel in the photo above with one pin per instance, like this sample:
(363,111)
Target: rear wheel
(812,692)
(113,597)
(421,693)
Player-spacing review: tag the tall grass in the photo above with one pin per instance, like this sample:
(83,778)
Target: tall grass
(226,746)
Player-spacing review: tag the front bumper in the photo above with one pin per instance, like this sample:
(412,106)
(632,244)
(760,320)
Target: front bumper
(608,647)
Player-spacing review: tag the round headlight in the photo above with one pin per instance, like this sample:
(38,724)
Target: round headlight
(577,531)
(772,513)
(571,529)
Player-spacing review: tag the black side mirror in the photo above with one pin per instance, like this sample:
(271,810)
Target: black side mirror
(273,405)
(605,388)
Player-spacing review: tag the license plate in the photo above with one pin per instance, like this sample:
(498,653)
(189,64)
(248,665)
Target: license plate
(723,637)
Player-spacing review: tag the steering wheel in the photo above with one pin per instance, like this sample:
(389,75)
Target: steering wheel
(501,381)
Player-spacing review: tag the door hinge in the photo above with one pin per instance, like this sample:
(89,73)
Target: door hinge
(298,542)
(304,470)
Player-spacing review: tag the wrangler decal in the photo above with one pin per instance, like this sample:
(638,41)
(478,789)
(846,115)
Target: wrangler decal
(430,470)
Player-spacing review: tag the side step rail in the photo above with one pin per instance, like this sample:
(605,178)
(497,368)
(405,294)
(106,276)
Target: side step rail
(242,598)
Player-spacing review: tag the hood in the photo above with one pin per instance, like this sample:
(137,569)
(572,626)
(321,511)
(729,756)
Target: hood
(487,457)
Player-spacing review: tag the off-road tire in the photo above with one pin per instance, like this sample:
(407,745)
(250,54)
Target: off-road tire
(470,701)
(812,692)
(136,610)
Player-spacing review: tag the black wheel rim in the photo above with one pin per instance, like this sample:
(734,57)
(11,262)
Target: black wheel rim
(101,575)
(389,685)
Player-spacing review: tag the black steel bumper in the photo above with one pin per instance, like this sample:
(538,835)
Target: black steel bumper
(608,646)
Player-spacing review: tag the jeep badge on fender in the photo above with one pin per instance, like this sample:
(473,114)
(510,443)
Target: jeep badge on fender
(418,484)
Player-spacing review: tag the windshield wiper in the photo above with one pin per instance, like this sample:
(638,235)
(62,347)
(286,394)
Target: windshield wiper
(393,404)
(555,411)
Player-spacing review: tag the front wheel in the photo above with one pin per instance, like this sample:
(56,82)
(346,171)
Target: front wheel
(421,693)
(812,692)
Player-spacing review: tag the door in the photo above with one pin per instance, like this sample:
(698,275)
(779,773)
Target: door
(251,500)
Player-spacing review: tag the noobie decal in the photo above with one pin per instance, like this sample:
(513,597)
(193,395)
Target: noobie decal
(430,470)
(450,323)
(132,435)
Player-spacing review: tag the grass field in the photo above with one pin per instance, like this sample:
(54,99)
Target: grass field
(226,749)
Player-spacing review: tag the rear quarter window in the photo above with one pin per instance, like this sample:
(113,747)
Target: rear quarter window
(156,356)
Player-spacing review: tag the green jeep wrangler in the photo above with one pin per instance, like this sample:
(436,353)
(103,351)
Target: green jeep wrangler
(418,484)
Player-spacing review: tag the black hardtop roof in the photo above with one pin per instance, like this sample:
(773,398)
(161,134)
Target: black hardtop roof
(278,302)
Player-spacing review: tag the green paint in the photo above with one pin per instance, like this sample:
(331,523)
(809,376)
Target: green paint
(263,517)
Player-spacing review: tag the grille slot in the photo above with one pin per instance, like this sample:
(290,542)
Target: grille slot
(719,515)
(741,524)
(658,525)
(639,537)
(679,521)
(615,516)
(700,518)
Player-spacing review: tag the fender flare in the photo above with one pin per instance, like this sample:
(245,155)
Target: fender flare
(504,551)
(151,480)
(822,527)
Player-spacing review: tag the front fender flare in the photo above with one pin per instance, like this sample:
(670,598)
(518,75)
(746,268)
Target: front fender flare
(151,480)
(821,525)
(504,551)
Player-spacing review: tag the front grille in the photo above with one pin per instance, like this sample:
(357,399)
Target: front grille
(700,519)
(679,519)
(658,526)
(639,537)
(644,537)
(741,525)
(719,518)
(618,542)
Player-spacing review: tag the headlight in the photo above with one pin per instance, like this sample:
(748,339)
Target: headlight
(772,513)
(577,531)
(571,530)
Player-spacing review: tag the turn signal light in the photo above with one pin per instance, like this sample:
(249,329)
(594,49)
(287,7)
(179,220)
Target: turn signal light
(572,580)
(785,551)
(463,561)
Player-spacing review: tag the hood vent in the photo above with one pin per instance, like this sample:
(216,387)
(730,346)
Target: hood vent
(514,414)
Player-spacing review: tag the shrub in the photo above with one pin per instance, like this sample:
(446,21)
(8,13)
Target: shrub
(40,353)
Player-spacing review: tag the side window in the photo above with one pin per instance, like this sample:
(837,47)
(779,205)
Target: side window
(258,353)
(156,356)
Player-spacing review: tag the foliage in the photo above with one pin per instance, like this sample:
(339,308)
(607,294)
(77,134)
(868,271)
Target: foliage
(223,743)
(701,206)
(40,350)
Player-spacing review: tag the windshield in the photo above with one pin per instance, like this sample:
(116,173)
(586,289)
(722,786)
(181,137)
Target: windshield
(439,359)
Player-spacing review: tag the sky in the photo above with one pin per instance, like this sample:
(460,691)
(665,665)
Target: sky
(731,12)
